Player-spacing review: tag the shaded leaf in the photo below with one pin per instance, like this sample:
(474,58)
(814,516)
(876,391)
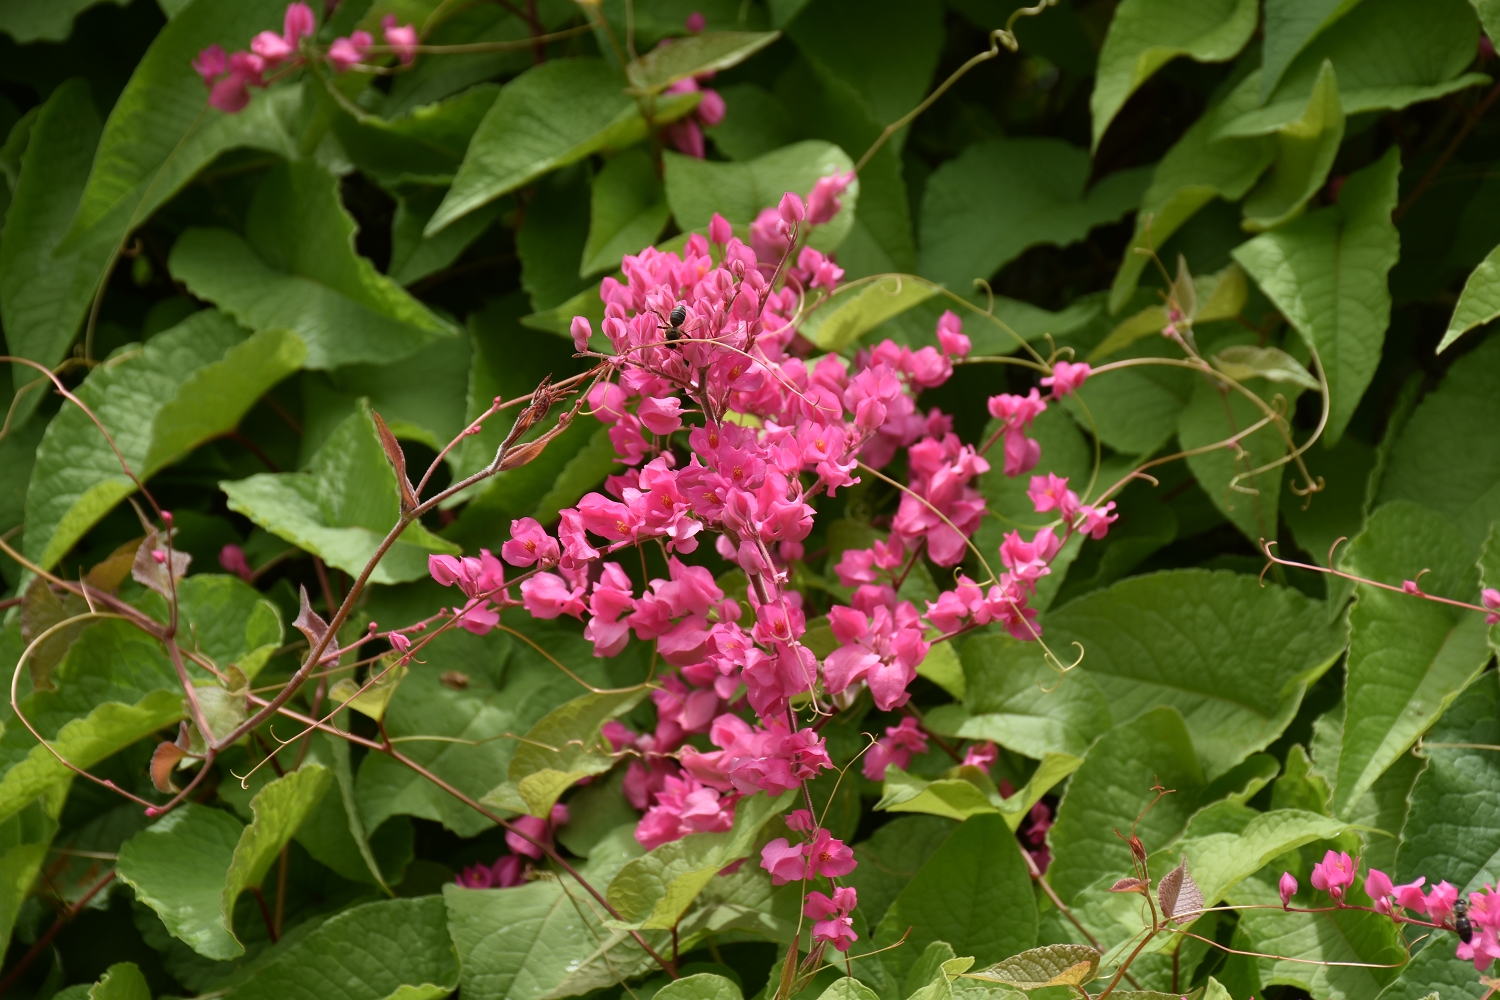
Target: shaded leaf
(1289,26)
(1306,147)
(628,211)
(846,317)
(1242,362)
(565,745)
(696,55)
(424,145)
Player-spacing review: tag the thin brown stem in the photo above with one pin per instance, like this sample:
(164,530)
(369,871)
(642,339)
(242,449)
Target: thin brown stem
(1447,154)
(42,943)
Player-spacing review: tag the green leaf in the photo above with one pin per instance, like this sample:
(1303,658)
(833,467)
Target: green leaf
(696,189)
(414,256)
(423,146)
(192,864)
(1145,35)
(1234,658)
(370,702)
(121,981)
(892,856)
(334,834)
(628,211)
(1425,50)
(1213,415)
(565,746)
(1306,147)
(342,507)
(855,310)
(187,385)
(966,791)
(551,115)
(161,131)
(1289,26)
(1456,836)
(510,687)
(1327,272)
(1198,168)
(24,841)
(297,268)
(1435,973)
(1408,658)
(999,196)
(44,20)
(1310,942)
(1014,698)
(703,986)
(1111,790)
(655,890)
(537,940)
(696,55)
(974,892)
(1455,474)
(44,296)
(397,949)
(1050,965)
(551,238)
(224,619)
(1338,510)
(1243,362)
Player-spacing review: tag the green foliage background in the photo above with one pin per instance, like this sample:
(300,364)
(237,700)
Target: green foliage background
(234,296)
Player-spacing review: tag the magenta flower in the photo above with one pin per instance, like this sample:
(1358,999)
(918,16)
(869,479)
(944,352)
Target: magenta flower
(402,39)
(950,330)
(695,23)
(1379,888)
(506,872)
(1440,901)
(1288,889)
(529,544)
(1490,598)
(232,560)
(1334,874)
(537,829)
(719,230)
(1066,377)
(346,53)
(829,856)
(823,201)
(210,64)
(981,755)
(800,820)
(832,916)
(1410,897)
(783,861)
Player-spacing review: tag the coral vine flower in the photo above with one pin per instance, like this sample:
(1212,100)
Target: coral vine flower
(1333,874)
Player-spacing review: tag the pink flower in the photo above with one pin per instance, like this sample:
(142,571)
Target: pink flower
(582,331)
(1288,889)
(950,334)
(1334,874)
(1051,492)
(838,931)
(232,560)
(402,39)
(346,53)
(1440,901)
(271,47)
(719,230)
(981,755)
(695,23)
(791,210)
(783,861)
(1066,377)
(211,62)
(547,595)
(231,94)
(506,872)
(832,916)
(800,820)
(1410,587)
(828,856)
(686,137)
(529,544)
(532,835)
(1096,520)
(1378,886)
(1410,897)
(1490,598)
(711,108)
(399,642)
(298,23)
(661,415)
(823,201)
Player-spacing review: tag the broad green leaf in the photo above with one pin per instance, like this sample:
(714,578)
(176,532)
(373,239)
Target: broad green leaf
(44,296)
(396,949)
(1408,658)
(551,238)
(1217,296)
(1423,50)
(1145,35)
(296,268)
(966,791)
(1013,697)
(1243,362)
(1316,941)
(161,131)
(1327,272)
(224,619)
(849,315)
(931,973)
(999,196)
(177,866)
(121,981)
(1231,656)
(974,892)
(696,189)
(1456,832)
(655,890)
(847,988)
(1478,304)
(1437,464)
(892,856)
(1338,510)
(1135,410)
(431,80)
(537,940)
(1050,965)
(191,865)
(552,115)
(114,687)
(1289,26)
(1111,790)
(24,840)
(703,986)
(510,687)
(1213,415)
(1435,973)
(334,834)
(187,385)
(1198,168)
(755,122)
(628,211)
(43,20)
(1306,147)
(424,146)
(414,256)
(942,667)
(342,507)
(693,56)
(565,746)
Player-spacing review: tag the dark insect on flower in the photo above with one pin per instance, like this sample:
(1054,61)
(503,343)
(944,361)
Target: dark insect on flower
(674,323)
(1461,922)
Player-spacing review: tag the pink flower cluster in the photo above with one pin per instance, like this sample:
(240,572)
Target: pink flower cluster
(230,77)
(510,870)
(686,134)
(1490,598)
(1475,920)
(895,749)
